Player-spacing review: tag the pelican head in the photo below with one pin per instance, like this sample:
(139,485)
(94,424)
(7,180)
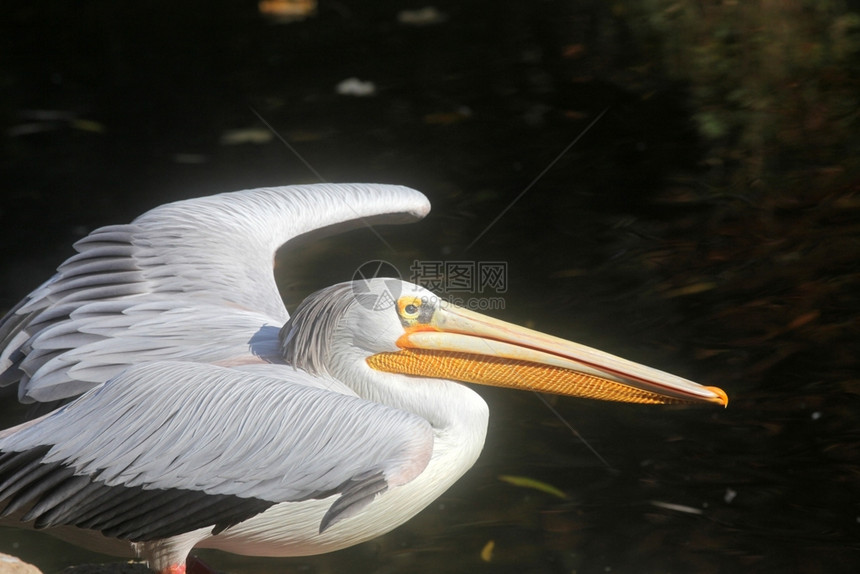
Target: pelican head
(393,326)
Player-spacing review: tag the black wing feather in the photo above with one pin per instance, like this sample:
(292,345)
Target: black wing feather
(61,498)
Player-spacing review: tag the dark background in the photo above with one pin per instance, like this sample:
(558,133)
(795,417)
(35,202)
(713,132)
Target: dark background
(708,224)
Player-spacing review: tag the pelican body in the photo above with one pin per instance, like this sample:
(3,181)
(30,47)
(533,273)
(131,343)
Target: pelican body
(197,413)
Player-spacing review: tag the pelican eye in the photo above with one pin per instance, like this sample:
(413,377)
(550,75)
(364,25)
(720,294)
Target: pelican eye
(414,311)
(409,308)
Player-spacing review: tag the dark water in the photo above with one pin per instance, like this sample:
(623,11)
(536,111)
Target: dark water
(630,242)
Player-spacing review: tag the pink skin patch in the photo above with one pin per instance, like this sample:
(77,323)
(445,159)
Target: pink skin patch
(193,565)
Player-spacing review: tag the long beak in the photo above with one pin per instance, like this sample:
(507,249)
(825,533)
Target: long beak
(462,345)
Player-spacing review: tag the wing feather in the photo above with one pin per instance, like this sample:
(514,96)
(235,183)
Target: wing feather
(204,446)
(210,257)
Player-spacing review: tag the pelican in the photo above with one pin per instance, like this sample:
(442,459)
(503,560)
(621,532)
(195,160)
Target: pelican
(196,413)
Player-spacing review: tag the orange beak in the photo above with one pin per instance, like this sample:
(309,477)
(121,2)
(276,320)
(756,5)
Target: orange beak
(462,345)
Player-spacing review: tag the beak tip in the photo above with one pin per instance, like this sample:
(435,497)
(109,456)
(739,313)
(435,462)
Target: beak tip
(721,397)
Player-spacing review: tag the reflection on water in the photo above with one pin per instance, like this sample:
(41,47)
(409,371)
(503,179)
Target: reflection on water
(641,240)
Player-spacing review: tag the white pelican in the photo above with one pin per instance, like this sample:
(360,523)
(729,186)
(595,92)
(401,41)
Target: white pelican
(192,419)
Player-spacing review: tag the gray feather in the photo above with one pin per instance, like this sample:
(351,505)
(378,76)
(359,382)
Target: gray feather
(356,495)
(306,337)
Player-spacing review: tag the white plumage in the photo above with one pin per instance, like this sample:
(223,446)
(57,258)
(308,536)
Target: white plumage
(194,419)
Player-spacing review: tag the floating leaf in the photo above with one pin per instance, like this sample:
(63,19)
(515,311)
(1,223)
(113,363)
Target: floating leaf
(691,289)
(526,482)
(487,551)
(246,136)
(677,507)
(422,16)
(284,11)
(88,126)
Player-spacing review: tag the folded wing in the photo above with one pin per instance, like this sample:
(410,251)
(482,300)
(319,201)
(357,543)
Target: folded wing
(204,446)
